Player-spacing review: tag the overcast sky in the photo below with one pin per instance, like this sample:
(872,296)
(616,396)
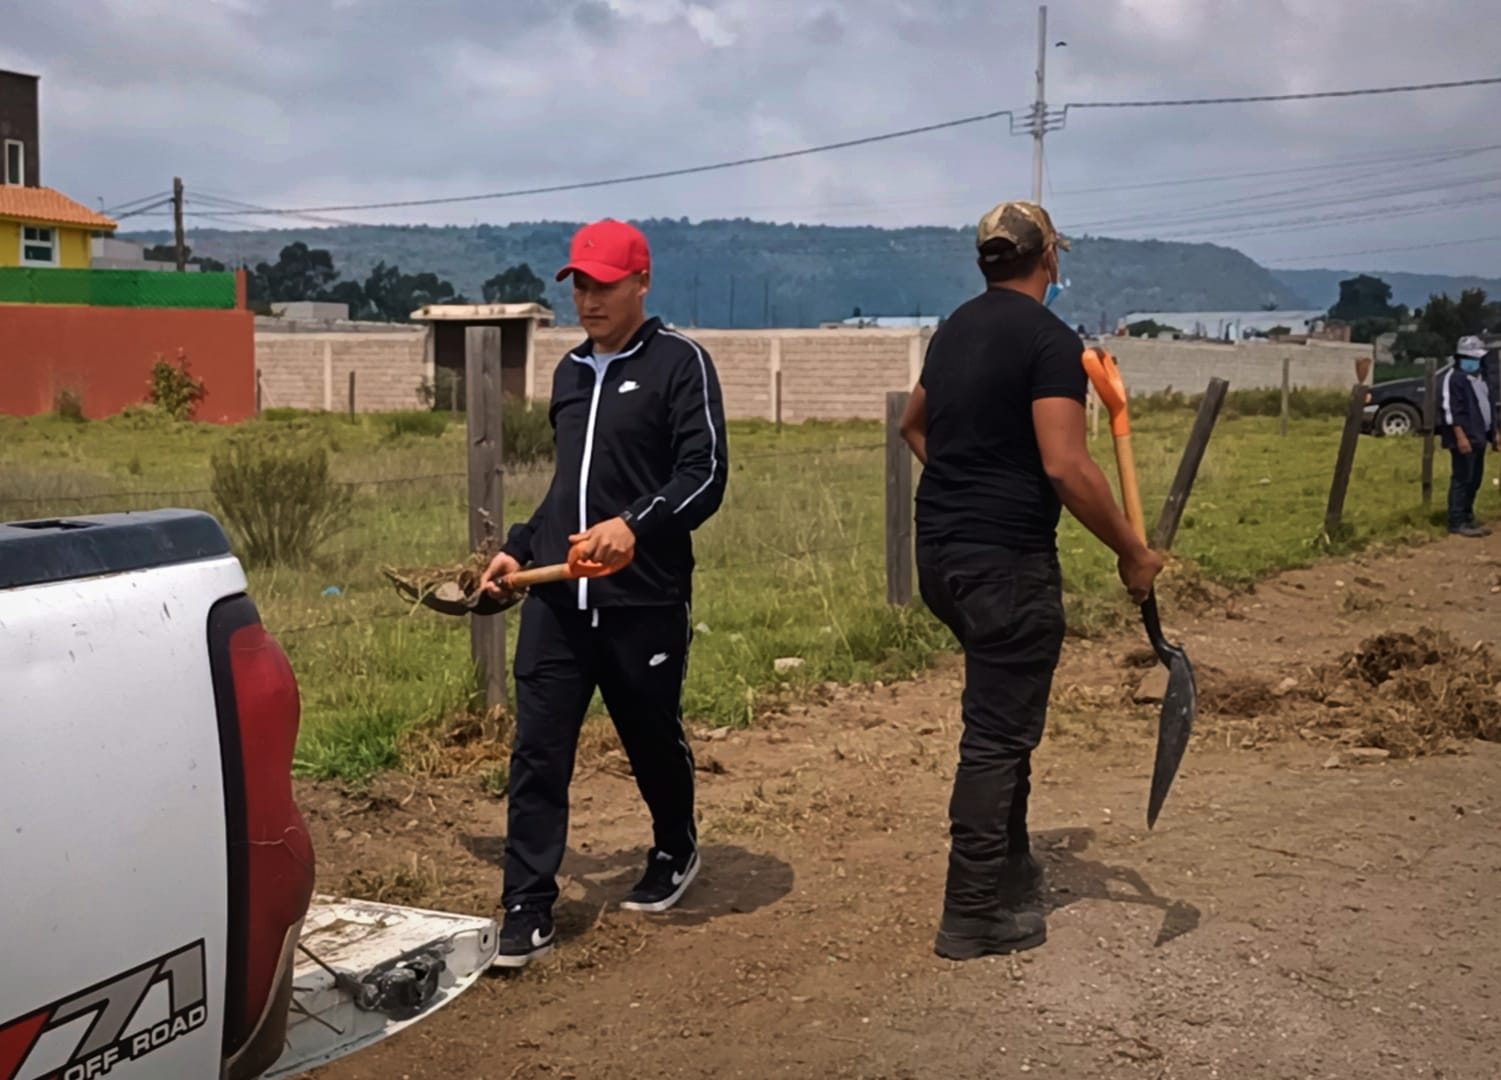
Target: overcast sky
(316,102)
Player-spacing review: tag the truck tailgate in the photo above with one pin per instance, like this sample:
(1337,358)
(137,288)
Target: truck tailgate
(366,971)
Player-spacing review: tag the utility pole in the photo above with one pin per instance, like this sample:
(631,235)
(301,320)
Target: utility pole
(182,251)
(1040,106)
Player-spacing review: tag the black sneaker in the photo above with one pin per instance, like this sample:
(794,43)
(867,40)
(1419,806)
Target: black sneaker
(1471,531)
(666,879)
(1022,882)
(1484,530)
(524,937)
(969,937)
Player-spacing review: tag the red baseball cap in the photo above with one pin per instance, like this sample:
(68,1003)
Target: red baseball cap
(608,251)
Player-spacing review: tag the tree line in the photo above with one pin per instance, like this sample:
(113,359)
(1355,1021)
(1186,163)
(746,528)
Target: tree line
(387,294)
(1432,330)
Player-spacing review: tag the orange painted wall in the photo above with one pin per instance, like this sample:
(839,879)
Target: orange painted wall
(105,355)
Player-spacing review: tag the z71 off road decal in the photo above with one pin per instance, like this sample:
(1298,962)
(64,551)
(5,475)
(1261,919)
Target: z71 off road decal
(104,1044)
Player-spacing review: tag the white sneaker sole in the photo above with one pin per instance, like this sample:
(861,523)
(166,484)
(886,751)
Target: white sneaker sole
(668,902)
(511,963)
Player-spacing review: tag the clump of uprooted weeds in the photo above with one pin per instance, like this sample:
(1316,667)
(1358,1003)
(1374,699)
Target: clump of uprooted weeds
(451,582)
(1415,694)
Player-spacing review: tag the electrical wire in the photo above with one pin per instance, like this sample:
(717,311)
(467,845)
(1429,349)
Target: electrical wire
(662,174)
(1261,98)
(1387,250)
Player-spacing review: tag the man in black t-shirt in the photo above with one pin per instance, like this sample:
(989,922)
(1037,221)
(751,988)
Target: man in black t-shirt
(997,419)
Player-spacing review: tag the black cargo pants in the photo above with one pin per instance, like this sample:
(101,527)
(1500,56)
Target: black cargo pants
(636,657)
(1006,609)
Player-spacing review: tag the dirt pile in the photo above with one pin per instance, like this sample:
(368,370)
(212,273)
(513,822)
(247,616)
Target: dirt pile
(1415,694)
(1410,694)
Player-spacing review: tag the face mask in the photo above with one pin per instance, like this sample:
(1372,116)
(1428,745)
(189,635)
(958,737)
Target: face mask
(1054,291)
(1469,365)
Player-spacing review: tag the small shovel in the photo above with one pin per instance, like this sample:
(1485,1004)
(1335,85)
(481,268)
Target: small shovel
(1181,702)
(449,598)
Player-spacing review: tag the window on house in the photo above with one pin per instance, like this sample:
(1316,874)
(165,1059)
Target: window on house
(38,246)
(15,162)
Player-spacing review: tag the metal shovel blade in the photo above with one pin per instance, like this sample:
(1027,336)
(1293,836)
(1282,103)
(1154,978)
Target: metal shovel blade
(1179,707)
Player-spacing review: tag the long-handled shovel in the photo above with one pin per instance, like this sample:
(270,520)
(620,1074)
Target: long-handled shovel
(1181,703)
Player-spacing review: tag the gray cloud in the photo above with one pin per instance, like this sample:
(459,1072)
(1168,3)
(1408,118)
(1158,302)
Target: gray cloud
(335,101)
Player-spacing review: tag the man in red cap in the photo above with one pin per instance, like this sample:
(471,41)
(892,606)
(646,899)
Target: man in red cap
(638,423)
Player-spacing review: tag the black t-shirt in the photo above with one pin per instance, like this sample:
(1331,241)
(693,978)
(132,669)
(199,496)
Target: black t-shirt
(984,482)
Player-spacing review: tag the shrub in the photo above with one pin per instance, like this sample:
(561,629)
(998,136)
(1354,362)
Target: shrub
(281,416)
(277,495)
(526,433)
(173,388)
(416,422)
(68,405)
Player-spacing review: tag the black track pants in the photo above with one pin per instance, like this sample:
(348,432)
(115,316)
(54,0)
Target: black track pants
(636,657)
(1006,609)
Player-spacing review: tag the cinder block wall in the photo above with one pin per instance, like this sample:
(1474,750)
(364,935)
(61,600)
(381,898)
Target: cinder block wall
(825,374)
(311,370)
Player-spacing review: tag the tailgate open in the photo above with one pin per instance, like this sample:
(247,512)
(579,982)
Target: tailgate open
(366,971)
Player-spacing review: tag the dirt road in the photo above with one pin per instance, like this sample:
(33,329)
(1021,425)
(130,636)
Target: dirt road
(1298,912)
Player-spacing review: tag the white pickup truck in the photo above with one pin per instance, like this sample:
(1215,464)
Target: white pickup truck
(157,910)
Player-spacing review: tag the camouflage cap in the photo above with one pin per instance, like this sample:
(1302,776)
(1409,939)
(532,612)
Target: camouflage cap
(1025,224)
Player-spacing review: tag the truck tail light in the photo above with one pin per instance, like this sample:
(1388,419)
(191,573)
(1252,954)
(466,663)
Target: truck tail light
(271,867)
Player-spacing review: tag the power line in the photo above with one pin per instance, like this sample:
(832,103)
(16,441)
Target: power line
(1258,98)
(1387,250)
(1194,215)
(663,174)
(146,210)
(1326,220)
(129,203)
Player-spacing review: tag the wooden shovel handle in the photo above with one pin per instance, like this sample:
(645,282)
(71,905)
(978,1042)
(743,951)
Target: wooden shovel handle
(571,570)
(537,575)
(1125,461)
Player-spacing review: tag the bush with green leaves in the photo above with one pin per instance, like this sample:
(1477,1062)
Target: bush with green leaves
(68,405)
(415,422)
(174,389)
(526,432)
(278,497)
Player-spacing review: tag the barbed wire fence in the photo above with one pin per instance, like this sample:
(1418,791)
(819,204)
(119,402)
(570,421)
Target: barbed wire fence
(773,469)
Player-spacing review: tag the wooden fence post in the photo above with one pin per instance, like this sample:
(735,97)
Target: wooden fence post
(351,394)
(1334,516)
(482,391)
(1430,425)
(898,503)
(777,392)
(1287,392)
(1188,468)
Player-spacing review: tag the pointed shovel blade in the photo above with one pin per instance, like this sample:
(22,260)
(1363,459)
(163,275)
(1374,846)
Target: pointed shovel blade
(1174,727)
(1179,707)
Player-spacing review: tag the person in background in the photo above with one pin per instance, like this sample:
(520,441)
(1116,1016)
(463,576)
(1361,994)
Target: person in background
(997,419)
(638,422)
(1467,425)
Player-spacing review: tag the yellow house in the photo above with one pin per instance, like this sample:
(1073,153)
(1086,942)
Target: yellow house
(40,227)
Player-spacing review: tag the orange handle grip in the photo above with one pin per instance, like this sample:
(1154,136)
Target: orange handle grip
(1105,375)
(571,570)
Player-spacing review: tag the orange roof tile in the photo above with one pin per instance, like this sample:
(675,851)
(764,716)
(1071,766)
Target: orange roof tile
(53,207)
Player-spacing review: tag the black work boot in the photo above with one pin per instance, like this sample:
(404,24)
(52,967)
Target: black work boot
(1022,882)
(969,937)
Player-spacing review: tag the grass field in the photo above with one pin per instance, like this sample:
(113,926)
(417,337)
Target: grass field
(792,566)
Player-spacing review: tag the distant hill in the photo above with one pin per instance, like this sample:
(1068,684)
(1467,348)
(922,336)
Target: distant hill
(1321,287)
(741,273)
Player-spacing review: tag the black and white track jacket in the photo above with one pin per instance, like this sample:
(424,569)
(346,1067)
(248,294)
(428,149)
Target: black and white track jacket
(639,435)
